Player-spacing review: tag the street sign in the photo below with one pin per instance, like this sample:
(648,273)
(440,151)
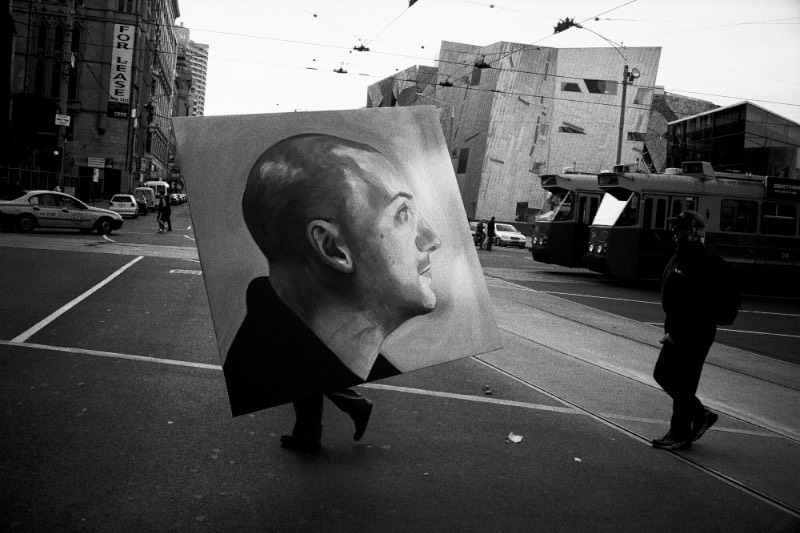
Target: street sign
(96,162)
(62,120)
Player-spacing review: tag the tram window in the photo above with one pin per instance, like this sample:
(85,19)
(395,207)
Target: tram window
(778,219)
(556,207)
(630,215)
(648,213)
(661,214)
(677,207)
(588,208)
(613,212)
(738,215)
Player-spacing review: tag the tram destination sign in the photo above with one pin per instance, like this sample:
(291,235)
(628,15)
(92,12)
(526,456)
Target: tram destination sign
(783,189)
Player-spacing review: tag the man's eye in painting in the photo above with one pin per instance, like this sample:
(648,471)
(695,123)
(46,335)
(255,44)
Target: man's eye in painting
(405,213)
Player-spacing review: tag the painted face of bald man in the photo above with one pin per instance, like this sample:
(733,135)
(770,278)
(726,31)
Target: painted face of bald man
(390,241)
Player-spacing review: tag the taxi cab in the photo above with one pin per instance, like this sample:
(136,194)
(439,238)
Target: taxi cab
(51,209)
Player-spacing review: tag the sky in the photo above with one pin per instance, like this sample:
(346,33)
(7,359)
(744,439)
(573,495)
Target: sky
(268,56)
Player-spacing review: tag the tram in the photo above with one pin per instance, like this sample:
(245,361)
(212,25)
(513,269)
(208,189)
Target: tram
(561,229)
(751,221)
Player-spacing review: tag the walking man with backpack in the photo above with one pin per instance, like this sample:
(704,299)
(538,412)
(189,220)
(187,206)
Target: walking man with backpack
(699,292)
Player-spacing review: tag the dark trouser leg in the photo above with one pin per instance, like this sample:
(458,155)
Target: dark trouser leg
(678,372)
(349,401)
(308,423)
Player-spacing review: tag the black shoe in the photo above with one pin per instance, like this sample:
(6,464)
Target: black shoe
(709,419)
(291,442)
(361,420)
(670,442)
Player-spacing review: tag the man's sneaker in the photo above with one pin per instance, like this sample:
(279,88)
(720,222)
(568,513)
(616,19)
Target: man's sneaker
(709,419)
(670,442)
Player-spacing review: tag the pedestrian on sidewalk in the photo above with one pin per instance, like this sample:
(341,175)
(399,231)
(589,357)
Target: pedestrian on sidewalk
(480,233)
(164,214)
(693,285)
(490,235)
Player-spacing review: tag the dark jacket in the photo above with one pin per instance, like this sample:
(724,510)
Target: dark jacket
(687,295)
(164,209)
(275,358)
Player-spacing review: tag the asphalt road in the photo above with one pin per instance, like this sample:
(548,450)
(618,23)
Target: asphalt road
(115,418)
(767,323)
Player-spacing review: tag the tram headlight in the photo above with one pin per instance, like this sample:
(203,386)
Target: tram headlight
(591,248)
(535,240)
(600,249)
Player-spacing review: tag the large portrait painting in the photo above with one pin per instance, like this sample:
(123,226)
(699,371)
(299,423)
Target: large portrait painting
(335,249)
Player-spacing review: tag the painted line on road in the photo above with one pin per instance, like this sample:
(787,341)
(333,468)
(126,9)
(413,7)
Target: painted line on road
(741,331)
(478,399)
(554,293)
(100,353)
(190,238)
(106,237)
(377,386)
(32,331)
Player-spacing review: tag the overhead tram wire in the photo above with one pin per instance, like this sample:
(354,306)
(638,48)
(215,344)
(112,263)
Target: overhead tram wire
(536,43)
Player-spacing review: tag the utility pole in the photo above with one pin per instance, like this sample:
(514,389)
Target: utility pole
(622,113)
(66,66)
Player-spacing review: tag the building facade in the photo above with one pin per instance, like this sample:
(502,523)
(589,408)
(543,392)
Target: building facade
(193,57)
(512,112)
(742,137)
(91,88)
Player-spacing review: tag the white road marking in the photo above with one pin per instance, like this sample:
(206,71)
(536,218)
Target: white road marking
(32,331)
(106,237)
(479,399)
(190,238)
(184,271)
(742,331)
(115,355)
(527,289)
(378,386)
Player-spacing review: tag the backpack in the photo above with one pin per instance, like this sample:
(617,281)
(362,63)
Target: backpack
(727,293)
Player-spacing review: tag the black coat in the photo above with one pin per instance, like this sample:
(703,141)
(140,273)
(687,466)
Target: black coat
(275,357)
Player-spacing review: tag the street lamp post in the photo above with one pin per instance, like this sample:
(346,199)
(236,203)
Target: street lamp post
(627,78)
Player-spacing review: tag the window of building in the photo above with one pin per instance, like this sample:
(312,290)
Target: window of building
(601,86)
(570,87)
(463,158)
(738,215)
(55,80)
(566,127)
(476,77)
(41,39)
(778,219)
(58,41)
(543,130)
(636,136)
(72,91)
(38,78)
(75,46)
(126,6)
(643,96)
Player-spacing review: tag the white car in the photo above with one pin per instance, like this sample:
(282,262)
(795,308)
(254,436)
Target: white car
(507,235)
(50,209)
(125,205)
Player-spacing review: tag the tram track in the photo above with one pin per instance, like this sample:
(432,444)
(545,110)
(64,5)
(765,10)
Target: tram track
(609,422)
(567,316)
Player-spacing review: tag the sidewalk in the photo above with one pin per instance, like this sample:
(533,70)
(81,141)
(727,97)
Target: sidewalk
(603,363)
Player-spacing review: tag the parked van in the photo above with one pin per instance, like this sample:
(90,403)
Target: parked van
(160,187)
(149,196)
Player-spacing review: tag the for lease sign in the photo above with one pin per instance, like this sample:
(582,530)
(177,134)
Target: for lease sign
(121,70)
